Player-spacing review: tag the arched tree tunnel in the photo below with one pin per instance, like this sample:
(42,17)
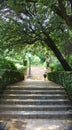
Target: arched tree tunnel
(30,22)
(41,30)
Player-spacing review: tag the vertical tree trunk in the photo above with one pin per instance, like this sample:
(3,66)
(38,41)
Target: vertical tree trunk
(57,53)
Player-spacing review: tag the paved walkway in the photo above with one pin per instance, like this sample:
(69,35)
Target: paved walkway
(36,72)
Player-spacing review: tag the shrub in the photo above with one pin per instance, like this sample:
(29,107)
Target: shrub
(8,73)
(7,64)
(63,78)
(9,76)
(25,62)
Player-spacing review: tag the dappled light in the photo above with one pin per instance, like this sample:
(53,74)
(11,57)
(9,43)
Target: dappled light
(17,124)
(53,127)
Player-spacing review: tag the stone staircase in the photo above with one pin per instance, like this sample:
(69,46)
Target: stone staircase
(35,100)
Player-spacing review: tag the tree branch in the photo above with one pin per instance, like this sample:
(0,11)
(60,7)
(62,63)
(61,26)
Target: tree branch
(67,18)
(61,11)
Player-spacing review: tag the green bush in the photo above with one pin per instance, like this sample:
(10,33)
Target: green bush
(9,76)
(63,78)
(8,73)
(56,67)
(7,64)
(25,62)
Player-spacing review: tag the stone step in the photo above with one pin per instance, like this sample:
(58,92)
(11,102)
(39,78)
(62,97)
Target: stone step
(35,96)
(35,107)
(34,88)
(36,114)
(35,92)
(35,101)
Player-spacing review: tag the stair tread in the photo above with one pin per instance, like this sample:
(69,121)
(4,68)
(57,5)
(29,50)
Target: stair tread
(23,95)
(36,112)
(36,100)
(35,106)
(37,90)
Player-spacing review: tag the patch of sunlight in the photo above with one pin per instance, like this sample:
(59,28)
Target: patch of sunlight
(23,125)
(1,121)
(11,127)
(53,127)
(14,120)
(11,94)
(18,65)
(39,128)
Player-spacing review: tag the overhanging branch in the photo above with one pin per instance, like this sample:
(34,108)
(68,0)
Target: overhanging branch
(61,11)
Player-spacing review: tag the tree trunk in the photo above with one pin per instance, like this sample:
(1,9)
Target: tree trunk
(57,53)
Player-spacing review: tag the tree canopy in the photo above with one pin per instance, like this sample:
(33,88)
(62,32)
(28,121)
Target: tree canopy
(63,8)
(48,22)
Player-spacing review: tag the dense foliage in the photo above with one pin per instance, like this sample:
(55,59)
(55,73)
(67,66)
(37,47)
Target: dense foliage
(7,64)
(44,23)
(32,22)
(64,79)
(9,76)
(9,73)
